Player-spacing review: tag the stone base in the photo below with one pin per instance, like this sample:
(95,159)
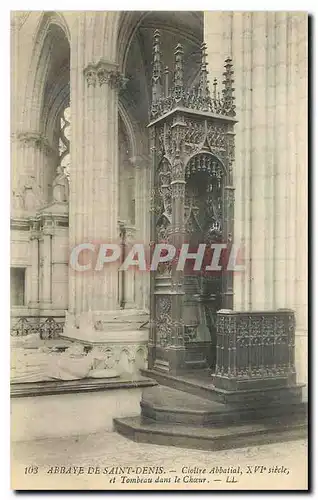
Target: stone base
(144,430)
(176,418)
(121,336)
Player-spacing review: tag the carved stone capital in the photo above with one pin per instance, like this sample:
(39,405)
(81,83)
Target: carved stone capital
(105,72)
(35,140)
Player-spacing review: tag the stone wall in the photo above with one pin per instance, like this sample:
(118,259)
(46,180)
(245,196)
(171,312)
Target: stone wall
(269,52)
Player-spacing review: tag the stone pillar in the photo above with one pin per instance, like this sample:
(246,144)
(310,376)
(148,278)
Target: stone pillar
(142,208)
(270,179)
(239,165)
(93,213)
(33,157)
(300,200)
(46,259)
(280,205)
(33,293)
(131,273)
(258,160)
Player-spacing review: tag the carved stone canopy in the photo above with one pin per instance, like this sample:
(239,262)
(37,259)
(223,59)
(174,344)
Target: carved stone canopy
(198,97)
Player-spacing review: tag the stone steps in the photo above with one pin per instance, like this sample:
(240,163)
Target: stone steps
(178,418)
(145,430)
(164,404)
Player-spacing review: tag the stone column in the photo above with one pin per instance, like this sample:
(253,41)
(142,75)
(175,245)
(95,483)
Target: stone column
(46,258)
(271,139)
(142,208)
(239,165)
(32,156)
(300,200)
(281,144)
(33,281)
(93,215)
(131,273)
(258,160)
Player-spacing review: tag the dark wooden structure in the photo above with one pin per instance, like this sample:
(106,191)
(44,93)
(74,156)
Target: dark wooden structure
(217,369)
(192,147)
(255,350)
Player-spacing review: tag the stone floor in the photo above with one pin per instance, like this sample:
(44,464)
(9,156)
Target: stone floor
(39,465)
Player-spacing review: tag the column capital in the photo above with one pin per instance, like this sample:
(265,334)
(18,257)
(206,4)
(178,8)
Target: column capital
(105,72)
(34,139)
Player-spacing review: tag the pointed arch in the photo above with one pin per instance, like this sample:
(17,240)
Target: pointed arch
(50,23)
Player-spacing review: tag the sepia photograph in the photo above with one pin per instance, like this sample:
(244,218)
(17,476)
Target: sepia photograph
(159,250)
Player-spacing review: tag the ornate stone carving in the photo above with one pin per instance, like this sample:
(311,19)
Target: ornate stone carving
(216,136)
(177,169)
(103,73)
(205,162)
(90,74)
(194,135)
(36,140)
(118,356)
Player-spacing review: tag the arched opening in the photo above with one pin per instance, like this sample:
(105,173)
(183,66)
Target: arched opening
(55,116)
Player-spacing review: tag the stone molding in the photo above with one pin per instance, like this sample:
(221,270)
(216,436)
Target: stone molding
(105,72)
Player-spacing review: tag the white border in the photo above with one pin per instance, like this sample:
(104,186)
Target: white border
(308,6)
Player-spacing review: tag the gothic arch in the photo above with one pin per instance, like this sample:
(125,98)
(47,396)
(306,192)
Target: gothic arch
(105,35)
(136,137)
(50,24)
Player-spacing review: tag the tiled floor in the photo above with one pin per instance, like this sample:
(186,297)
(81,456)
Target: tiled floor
(111,449)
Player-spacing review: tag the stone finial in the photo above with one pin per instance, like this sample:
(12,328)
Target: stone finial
(228,89)
(166,81)
(178,69)
(156,68)
(215,84)
(204,72)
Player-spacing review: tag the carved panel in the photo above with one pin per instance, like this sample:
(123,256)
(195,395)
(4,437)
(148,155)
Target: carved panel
(255,345)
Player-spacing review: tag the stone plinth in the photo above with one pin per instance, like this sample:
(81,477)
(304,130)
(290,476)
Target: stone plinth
(121,336)
(255,350)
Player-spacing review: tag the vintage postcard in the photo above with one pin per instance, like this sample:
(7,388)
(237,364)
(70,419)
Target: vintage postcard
(159,250)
